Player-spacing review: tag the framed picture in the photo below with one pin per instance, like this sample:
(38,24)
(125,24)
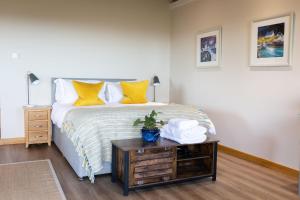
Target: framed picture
(209,48)
(271,42)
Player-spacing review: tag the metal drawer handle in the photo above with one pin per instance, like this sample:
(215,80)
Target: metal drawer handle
(39,126)
(39,136)
(140,182)
(140,151)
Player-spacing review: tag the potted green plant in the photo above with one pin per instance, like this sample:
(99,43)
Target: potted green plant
(150,131)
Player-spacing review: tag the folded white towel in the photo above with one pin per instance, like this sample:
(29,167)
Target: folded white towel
(188,133)
(189,136)
(201,138)
(183,124)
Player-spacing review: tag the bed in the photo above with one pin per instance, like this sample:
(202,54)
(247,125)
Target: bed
(83,134)
(61,140)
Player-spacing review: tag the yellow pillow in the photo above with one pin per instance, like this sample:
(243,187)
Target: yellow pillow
(134,92)
(88,93)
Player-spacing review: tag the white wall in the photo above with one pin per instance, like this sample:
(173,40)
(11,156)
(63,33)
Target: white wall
(78,38)
(255,110)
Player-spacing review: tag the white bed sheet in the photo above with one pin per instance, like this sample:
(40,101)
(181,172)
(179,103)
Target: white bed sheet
(59,111)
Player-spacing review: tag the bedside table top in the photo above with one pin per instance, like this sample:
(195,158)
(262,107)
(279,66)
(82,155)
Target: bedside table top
(37,107)
(137,143)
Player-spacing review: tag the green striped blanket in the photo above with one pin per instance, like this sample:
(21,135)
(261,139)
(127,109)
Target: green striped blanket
(92,129)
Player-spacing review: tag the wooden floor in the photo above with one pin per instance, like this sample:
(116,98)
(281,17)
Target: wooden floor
(237,179)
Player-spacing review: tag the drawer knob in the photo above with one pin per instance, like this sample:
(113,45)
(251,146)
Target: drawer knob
(39,136)
(38,126)
(38,115)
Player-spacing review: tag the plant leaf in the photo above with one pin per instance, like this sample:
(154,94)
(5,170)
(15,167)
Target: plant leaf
(150,122)
(137,122)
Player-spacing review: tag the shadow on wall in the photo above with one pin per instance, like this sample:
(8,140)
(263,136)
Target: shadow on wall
(176,96)
(232,129)
(287,68)
(90,15)
(208,69)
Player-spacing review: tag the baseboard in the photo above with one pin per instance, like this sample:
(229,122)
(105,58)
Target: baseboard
(12,141)
(259,161)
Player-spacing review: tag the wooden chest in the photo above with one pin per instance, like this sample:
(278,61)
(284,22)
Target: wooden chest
(136,164)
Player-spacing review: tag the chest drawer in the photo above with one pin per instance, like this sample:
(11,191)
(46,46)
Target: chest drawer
(151,154)
(38,115)
(152,165)
(153,179)
(37,125)
(36,136)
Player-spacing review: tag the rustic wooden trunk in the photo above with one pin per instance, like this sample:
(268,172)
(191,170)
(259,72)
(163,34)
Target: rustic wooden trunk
(138,165)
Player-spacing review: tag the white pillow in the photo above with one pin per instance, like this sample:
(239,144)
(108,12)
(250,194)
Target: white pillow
(114,92)
(66,94)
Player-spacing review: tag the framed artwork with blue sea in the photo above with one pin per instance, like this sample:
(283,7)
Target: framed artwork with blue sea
(209,48)
(271,42)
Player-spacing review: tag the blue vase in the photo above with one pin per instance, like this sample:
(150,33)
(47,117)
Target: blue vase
(150,135)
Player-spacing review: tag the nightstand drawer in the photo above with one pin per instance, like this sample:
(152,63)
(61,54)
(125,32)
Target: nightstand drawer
(38,115)
(36,136)
(37,125)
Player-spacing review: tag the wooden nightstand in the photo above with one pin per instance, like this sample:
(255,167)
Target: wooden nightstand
(38,127)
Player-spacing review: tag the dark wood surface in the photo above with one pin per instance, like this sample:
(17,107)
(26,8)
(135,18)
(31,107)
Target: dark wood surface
(143,166)
(237,180)
(135,144)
